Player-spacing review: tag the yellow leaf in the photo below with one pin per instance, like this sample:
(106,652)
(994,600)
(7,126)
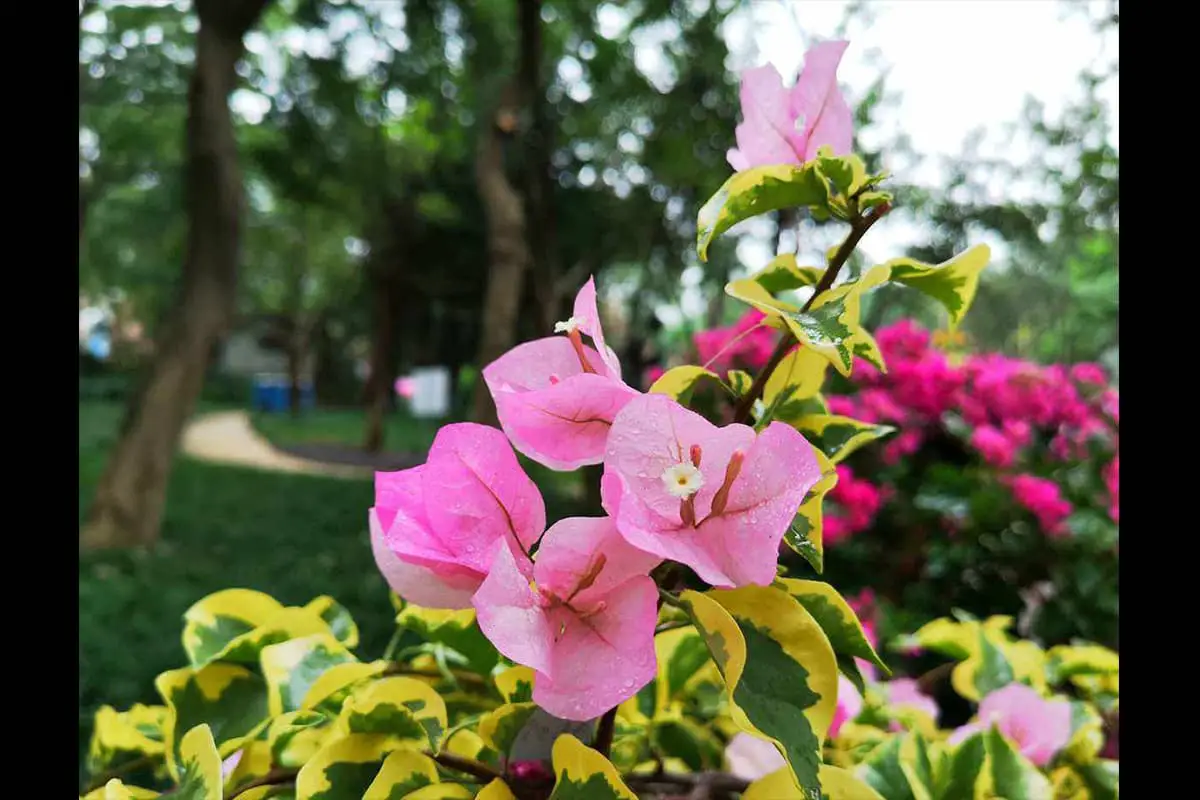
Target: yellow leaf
(403,772)
(496,790)
(677,381)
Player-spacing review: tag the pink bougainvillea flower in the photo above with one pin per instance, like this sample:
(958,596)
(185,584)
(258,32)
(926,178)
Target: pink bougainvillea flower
(1044,499)
(405,387)
(1037,726)
(750,758)
(994,446)
(1112,480)
(781,126)
(716,499)
(849,705)
(906,692)
(585,626)
(436,528)
(556,397)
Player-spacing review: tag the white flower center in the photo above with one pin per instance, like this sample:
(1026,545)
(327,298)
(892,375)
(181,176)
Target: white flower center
(570,326)
(682,480)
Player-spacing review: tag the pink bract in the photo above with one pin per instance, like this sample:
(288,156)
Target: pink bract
(586,626)
(751,758)
(436,528)
(653,437)
(1038,727)
(553,409)
(849,705)
(787,127)
(906,692)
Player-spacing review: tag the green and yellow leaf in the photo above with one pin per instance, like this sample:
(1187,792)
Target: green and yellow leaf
(581,773)
(496,790)
(965,766)
(334,685)
(229,698)
(291,668)
(456,630)
(756,191)
(804,534)
(836,784)
(499,729)
(952,283)
(200,766)
(780,671)
(515,684)
(404,708)
(838,436)
(344,768)
(784,274)
(125,736)
(294,738)
(678,382)
(441,791)
(835,616)
(218,619)
(402,772)
(337,618)
(116,790)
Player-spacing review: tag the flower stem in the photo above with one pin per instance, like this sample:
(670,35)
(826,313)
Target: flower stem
(604,732)
(858,228)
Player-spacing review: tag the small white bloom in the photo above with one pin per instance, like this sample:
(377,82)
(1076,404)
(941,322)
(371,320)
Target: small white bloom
(570,326)
(682,480)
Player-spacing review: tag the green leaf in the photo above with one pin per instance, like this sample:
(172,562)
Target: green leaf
(804,534)
(456,630)
(1102,779)
(882,771)
(291,668)
(1010,774)
(779,669)
(798,378)
(756,191)
(581,773)
(200,766)
(839,436)
(499,728)
(965,766)
(740,381)
(402,772)
(678,382)
(681,654)
(916,766)
(405,708)
(220,618)
(337,617)
(690,743)
(229,698)
(836,618)
(952,283)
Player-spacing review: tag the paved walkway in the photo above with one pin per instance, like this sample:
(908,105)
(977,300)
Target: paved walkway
(228,437)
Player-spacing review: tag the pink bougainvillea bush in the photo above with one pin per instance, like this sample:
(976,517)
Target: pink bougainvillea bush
(998,490)
(616,654)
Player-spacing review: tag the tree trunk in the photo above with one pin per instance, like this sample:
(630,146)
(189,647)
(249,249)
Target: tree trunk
(128,504)
(508,252)
(539,183)
(379,378)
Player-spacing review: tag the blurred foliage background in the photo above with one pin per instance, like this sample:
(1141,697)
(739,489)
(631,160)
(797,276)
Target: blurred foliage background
(378,143)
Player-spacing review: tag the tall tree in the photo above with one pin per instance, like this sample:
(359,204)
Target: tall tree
(129,499)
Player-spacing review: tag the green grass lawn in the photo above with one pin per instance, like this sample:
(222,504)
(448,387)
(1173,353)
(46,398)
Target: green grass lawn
(292,536)
(402,433)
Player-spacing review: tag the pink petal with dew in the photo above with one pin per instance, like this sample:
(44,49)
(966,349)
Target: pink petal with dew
(741,546)
(587,312)
(574,548)
(564,426)
(762,136)
(476,493)
(417,584)
(751,758)
(816,93)
(653,433)
(510,614)
(601,661)
(530,365)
